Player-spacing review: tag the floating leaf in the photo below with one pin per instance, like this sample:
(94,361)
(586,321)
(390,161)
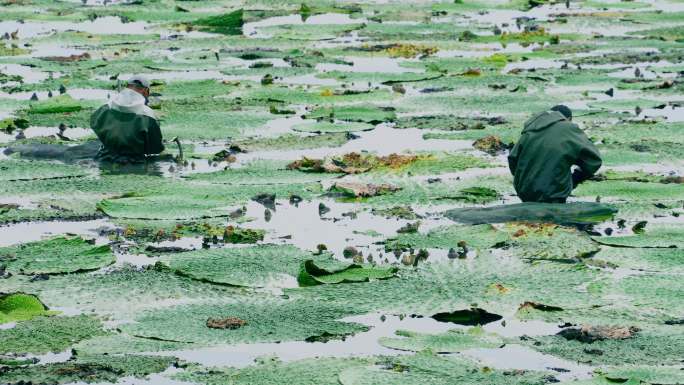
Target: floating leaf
(454,340)
(313,273)
(227,24)
(255,266)
(55,256)
(48,334)
(21,307)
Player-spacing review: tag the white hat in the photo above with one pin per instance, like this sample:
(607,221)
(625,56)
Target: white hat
(139,80)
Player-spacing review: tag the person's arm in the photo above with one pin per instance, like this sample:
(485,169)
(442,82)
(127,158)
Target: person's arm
(513,157)
(153,139)
(588,158)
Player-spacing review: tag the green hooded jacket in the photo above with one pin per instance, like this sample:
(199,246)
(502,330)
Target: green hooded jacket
(542,158)
(125,133)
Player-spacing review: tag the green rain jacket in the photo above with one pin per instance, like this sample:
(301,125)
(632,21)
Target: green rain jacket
(541,161)
(127,128)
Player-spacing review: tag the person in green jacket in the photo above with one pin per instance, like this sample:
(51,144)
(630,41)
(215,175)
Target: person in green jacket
(542,160)
(126,126)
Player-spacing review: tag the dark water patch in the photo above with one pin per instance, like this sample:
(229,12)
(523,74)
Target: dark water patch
(470,317)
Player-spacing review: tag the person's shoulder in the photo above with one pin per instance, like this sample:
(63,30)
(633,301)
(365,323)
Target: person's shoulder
(566,127)
(148,112)
(102,108)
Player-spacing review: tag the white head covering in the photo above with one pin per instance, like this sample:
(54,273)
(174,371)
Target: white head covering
(131,102)
(139,80)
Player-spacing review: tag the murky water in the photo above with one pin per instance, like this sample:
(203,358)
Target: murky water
(374,141)
(34,231)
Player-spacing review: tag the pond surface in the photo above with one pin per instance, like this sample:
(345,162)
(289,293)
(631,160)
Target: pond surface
(304,232)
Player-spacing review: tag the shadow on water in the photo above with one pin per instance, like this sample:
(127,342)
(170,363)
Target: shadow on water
(85,154)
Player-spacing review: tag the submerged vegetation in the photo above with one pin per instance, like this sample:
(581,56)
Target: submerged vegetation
(337,208)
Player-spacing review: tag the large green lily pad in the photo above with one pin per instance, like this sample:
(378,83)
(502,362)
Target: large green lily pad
(646,348)
(152,287)
(254,266)
(320,371)
(663,236)
(455,340)
(329,272)
(650,259)
(260,173)
(266,321)
(16,170)
(101,368)
(21,307)
(428,368)
(193,201)
(55,256)
(48,334)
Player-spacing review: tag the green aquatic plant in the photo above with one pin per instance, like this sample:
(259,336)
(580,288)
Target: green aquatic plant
(269,320)
(227,24)
(255,266)
(328,272)
(48,334)
(452,341)
(56,256)
(100,368)
(20,307)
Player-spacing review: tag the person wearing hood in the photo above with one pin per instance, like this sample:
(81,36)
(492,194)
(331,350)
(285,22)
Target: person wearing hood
(542,160)
(126,126)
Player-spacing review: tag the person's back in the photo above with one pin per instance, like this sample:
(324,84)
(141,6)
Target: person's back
(542,158)
(127,127)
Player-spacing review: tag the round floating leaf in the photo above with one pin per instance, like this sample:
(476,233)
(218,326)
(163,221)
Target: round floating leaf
(312,273)
(646,348)
(18,170)
(267,321)
(319,371)
(20,307)
(254,266)
(48,334)
(455,340)
(56,256)
(99,368)
(429,368)
(653,236)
